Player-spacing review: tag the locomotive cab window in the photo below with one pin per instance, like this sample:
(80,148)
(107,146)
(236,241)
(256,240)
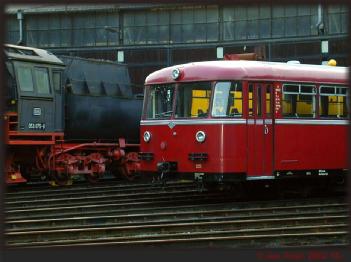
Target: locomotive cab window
(10,78)
(159,101)
(42,81)
(193,100)
(333,102)
(227,100)
(56,79)
(25,79)
(299,100)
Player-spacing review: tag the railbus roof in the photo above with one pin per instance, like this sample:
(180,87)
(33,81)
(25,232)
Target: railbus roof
(251,70)
(24,53)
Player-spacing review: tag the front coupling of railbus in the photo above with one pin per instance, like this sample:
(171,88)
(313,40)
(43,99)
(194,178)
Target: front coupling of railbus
(166,167)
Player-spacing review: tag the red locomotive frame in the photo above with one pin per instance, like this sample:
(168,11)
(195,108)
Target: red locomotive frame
(254,146)
(49,153)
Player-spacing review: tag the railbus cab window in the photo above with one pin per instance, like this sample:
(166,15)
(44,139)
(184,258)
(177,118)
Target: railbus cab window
(227,100)
(333,102)
(25,79)
(160,101)
(299,100)
(193,100)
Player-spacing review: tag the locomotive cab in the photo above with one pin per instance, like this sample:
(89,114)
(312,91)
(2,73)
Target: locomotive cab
(34,109)
(34,99)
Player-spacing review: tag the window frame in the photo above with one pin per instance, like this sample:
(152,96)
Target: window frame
(240,85)
(335,87)
(148,100)
(48,71)
(32,66)
(18,73)
(205,114)
(314,94)
(60,73)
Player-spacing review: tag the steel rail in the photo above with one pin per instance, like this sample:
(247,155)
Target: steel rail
(164,216)
(106,198)
(166,236)
(199,203)
(188,235)
(172,227)
(29,194)
(168,218)
(113,205)
(193,236)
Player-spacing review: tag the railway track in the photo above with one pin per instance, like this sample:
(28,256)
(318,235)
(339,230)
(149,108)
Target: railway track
(97,196)
(176,215)
(29,193)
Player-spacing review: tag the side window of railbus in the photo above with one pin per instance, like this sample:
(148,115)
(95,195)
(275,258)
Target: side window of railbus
(193,100)
(258,98)
(227,100)
(299,100)
(333,101)
(268,101)
(251,112)
(160,102)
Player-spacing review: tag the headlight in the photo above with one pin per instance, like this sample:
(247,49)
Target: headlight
(147,136)
(200,136)
(175,74)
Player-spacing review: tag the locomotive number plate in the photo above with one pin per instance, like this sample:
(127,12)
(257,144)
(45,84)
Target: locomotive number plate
(36,126)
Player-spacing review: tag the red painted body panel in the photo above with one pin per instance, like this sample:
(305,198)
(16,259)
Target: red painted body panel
(259,150)
(299,147)
(240,148)
(224,144)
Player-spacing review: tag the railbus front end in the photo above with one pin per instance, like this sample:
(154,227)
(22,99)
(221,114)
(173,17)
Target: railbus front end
(183,133)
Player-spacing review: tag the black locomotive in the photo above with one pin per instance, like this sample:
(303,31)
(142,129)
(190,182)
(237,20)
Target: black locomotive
(68,116)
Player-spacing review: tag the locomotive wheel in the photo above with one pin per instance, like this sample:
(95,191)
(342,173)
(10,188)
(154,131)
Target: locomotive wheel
(93,178)
(61,178)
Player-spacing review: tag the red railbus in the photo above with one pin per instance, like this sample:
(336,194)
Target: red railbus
(228,121)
